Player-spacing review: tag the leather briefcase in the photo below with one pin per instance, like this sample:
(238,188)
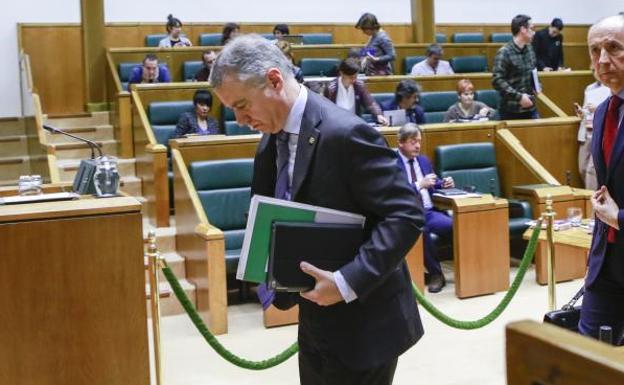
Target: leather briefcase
(569,315)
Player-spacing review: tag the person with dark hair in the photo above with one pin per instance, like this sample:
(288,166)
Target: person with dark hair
(433,64)
(467,109)
(198,122)
(548,47)
(174,31)
(512,73)
(378,54)
(230,31)
(286,48)
(350,93)
(149,72)
(208,58)
(417,168)
(280,30)
(406,97)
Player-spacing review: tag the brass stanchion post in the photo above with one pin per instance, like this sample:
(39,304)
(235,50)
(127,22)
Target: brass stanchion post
(550,260)
(154,264)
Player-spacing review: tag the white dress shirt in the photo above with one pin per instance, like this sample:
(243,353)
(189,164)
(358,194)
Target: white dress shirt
(345,97)
(423,68)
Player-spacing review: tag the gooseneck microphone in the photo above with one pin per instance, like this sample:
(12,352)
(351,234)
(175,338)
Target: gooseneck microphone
(91,143)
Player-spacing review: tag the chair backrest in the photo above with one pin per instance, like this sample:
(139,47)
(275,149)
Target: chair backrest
(501,37)
(436,104)
(125,69)
(317,38)
(190,68)
(382,97)
(210,39)
(441,38)
(468,37)
(318,66)
(268,36)
(164,116)
(152,40)
(465,64)
(409,61)
(233,128)
(223,187)
(489,97)
(470,164)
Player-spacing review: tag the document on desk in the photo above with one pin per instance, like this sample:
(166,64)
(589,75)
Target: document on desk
(263,211)
(457,196)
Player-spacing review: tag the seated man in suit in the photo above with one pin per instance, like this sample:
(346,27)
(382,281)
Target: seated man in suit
(423,180)
(406,98)
(150,72)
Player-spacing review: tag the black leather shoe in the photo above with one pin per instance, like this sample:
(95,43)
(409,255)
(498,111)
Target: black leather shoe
(436,283)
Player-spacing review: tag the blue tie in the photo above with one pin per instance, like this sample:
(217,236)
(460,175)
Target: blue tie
(282,185)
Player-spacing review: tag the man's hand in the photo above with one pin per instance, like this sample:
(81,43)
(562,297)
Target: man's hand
(325,292)
(448,182)
(382,120)
(547,69)
(605,207)
(427,182)
(525,101)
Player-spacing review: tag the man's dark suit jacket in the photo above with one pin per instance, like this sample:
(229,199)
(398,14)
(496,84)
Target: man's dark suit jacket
(425,167)
(344,164)
(612,176)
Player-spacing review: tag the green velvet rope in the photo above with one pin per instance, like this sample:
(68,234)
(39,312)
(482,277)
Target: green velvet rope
(212,340)
(469,325)
(294,348)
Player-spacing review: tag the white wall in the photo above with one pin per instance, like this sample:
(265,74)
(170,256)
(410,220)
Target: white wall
(339,11)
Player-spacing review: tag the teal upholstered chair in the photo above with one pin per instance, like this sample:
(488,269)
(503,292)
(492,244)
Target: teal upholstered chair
(436,104)
(441,38)
(380,97)
(224,190)
(268,36)
(409,61)
(319,66)
(491,98)
(501,37)
(468,37)
(152,40)
(317,38)
(466,64)
(190,68)
(210,39)
(474,164)
(124,70)
(230,126)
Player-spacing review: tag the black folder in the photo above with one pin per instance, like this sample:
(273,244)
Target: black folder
(324,245)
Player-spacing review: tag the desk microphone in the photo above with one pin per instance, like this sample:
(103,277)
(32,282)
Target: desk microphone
(83,181)
(493,187)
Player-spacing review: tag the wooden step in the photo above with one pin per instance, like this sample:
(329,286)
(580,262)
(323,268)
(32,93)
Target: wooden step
(12,167)
(175,262)
(68,167)
(80,150)
(165,237)
(169,304)
(95,133)
(131,185)
(12,126)
(94,118)
(13,146)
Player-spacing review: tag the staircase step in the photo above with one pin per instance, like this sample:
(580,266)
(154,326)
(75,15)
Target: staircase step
(131,185)
(12,167)
(95,118)
(169,304)
(80,150)
(12,127)
(175,262)
(68,167)
(13,146)
(93,132)
(165,237)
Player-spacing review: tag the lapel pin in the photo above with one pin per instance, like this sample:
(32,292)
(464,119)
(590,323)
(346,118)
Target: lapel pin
(312,140)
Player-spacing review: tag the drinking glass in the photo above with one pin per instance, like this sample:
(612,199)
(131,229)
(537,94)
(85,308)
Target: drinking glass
(575,214)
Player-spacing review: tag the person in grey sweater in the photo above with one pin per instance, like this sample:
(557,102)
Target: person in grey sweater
(378,54)
(467,109)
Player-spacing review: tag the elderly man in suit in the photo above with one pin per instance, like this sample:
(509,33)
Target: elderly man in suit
(604,283)
(357,320)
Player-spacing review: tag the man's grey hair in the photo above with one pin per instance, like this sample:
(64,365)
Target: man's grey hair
(408,130)
(248,58)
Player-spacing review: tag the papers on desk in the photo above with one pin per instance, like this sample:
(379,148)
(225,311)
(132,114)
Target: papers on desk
(559,225)
(454,195)
(17,199)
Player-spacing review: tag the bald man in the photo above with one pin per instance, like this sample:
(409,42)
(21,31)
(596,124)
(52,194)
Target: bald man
(604,283)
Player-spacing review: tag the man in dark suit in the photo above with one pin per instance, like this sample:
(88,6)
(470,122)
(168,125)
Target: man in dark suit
(423,180)
(357,320)
(604,283)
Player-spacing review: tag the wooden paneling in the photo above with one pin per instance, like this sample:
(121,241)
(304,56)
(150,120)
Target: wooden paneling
(572,33)
(57,67)
(73,290)
(566,88)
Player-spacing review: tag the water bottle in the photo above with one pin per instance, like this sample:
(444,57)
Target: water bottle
(106,177)
(30,185)
(605,334)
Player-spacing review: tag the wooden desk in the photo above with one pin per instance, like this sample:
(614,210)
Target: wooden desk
(480,244)
(564,197)
(571,253)
(73,293)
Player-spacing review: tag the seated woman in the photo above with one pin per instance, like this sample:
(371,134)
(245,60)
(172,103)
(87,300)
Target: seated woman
(230,31)
(406,98)
(285,47)
(350,93)
(378,54)
(175,38)
(467,108)
(198,122)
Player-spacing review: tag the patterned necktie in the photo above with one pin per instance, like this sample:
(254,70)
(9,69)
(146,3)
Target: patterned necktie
(608,140)
(282,185)
(412,170)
